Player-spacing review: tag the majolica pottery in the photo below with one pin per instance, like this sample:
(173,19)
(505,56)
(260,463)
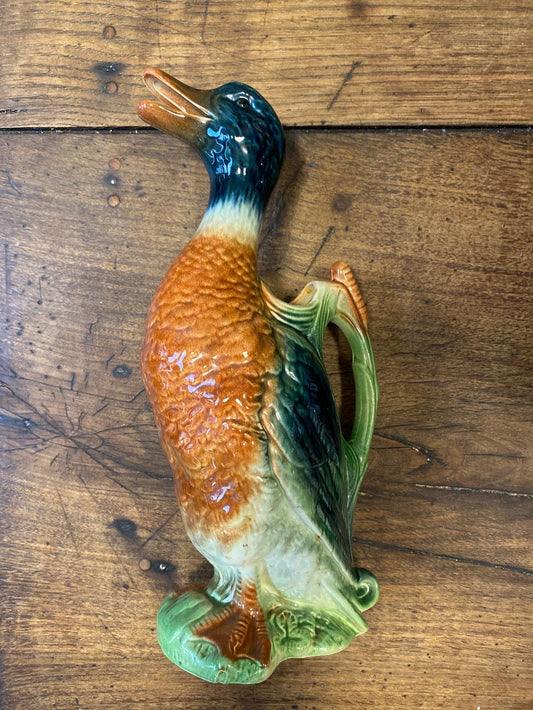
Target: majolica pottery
(265,480)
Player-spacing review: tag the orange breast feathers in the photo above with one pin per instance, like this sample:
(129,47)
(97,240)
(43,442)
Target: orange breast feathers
(207,350)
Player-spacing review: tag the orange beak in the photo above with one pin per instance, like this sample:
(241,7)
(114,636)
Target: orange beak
(181,110)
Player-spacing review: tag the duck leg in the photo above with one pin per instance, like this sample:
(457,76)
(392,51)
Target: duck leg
(239,629)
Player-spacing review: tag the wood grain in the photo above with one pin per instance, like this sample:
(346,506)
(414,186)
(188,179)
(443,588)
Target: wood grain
(329,63)
(436,226)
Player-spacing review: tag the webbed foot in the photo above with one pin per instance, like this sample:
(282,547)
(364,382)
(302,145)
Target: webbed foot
(239,629)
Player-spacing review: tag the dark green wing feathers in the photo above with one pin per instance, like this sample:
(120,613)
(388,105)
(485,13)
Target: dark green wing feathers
(305,443)
(320,471)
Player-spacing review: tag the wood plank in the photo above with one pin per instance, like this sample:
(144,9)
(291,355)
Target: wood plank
(436,227)
(352,63)
(81,630)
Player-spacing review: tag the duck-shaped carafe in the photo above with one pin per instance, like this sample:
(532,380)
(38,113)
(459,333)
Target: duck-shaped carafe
(264,478)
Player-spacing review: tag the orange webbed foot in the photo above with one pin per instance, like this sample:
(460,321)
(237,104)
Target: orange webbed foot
(239,630)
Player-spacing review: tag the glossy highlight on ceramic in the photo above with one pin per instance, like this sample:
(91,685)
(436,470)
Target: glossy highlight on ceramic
(265,481)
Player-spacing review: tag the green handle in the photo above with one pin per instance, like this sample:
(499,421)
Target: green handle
(347,310)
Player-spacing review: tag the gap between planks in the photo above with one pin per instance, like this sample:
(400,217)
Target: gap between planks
(330,128)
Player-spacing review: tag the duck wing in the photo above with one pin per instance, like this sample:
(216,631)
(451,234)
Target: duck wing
(305,443)
(338,301)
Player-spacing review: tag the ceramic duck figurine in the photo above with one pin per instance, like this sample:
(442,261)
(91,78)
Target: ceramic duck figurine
(265,481)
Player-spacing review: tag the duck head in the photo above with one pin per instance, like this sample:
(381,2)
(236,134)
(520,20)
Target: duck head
(233,127)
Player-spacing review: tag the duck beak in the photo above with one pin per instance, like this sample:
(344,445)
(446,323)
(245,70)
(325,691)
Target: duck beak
(181,110)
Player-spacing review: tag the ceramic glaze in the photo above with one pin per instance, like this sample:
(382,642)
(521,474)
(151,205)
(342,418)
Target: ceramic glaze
(264,479)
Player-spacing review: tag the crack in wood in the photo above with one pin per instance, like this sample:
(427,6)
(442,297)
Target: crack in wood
(67,521)
(430,454)
(323,127)
(204,20)
(158,530)
(58,432)
(325,240)
(277,212)
(158,31)
(442,556)
(119,558)
(347,78)
(7,287)
(496,454)
(467,489)
(53,386)
(267,2)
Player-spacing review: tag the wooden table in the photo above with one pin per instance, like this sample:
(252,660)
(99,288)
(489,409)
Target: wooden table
(409,157)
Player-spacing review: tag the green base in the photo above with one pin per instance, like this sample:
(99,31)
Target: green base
(175,620)
(295,631)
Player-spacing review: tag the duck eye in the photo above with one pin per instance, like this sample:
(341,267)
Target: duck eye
(243,102)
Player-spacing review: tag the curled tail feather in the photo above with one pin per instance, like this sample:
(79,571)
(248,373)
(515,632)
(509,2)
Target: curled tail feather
(342,274)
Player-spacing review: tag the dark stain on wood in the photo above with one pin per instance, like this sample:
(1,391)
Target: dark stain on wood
(108,68)
(23,424)
(341,202)
(162,567)
(125,527)
(357,9)
(122,371)
(112,180)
